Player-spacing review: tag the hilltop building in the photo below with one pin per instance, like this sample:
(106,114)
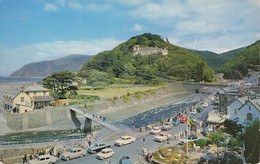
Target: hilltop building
(30,98)
(148,50)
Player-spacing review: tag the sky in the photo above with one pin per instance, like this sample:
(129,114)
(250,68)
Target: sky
(38,30)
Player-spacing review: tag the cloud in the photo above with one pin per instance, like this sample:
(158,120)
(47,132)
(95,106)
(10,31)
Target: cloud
(257,34)
(49,7)
(137,27)
(75,5)
(98,7)
(50,50)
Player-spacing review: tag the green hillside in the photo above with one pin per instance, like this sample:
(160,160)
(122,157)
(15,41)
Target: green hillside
(238,66)
(179,64)
(215,60)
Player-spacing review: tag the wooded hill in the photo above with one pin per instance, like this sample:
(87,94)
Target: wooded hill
(179,64)
(238,67)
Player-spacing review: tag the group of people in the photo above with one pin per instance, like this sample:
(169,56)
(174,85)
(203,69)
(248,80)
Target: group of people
(100,117)
(147,155)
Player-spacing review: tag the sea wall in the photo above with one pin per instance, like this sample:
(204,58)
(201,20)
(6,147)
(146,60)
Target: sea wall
(37,118)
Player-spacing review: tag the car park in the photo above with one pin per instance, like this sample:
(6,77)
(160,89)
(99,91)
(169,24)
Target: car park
(126,159)
(167,126)
(43,159)
(124,140)
(73,153)
(163,136)
(105,153)
(98,147)
(183,119)
(155,130)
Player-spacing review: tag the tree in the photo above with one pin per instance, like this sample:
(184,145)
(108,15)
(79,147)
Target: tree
(98,78)
(231,127)
(201,142)
(60,82)
(251,137)
(217,138)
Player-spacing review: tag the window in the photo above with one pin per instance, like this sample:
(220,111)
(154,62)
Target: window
(22,99)
(44,92)
(249,116)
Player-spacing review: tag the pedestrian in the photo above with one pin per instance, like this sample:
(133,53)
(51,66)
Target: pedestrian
(89,143)
(1,160)
(144,151)
(54,151)
(43,150)
(25,158)
(93,115)
(64,149)
(31,155)
(143,141)
(59,152)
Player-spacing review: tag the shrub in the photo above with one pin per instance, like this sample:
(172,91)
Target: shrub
(73,94)
(201,142)
(126,99)
(115,98)
(198,110)
(128,94)
(138,96)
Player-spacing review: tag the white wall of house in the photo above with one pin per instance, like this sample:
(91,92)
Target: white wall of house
(232,109)
(243,113)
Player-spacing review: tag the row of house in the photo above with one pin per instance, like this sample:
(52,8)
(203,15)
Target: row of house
(30,98)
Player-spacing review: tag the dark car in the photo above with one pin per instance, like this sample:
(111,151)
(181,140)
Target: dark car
(192,137)
(230,158)
(208,159)
(98,147)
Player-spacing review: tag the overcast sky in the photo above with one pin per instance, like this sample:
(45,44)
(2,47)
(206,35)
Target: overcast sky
(37,30)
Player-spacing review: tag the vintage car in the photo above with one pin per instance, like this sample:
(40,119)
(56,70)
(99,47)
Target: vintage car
(163,136)
(167,126)
(183,119)
(43,159)
(126,159)
(192,137)
(98,147)
(105,153)
(73,153)
(124,140)
(176,122)
(155,130)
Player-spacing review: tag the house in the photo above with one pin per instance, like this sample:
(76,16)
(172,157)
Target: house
(244,110)
(30,98)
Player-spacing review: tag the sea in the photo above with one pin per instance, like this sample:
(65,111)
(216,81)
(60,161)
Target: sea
(7,80)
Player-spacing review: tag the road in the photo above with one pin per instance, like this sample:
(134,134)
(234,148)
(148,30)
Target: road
(136,148)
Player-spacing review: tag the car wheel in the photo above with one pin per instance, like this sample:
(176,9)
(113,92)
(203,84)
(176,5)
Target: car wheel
(81,155)
(67,158)
(94,152)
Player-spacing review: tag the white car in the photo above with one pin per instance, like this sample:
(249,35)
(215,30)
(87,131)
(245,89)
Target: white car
(42,159)
(155,130)
(105,153)
(124,140)
(167,126)
(73,153)
(162,137)
(205,105)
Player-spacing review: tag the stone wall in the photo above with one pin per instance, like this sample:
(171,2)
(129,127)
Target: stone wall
(37,118)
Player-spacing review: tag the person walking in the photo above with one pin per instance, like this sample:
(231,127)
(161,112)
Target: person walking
(143,141)
(89,143)
(59,153)
(25,158)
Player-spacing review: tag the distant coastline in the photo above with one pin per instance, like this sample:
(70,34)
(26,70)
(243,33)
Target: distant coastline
(8,80)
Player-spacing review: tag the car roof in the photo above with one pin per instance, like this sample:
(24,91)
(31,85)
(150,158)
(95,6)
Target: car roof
(125,136)
(164,133)
(106,149)
(75,148)
(44,156)
(98,143)
(127,155)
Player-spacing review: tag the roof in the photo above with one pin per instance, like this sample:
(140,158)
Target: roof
(256,103)
(242,100)
(42,98)
(163,133)
(230,89)
(12,93)
(35,88)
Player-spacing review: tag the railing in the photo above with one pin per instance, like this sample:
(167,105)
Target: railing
(39,140)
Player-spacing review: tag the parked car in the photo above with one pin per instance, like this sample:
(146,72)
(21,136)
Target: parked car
(105,153)
(126,159)
(167,126)
(208,159)
(183,141)
(230,158)
(98,147)
(176,122)
(124,140)
(155,130)
(205,105)
(43,159)
(192,137)
(183,119)
(163,136)
(73,153)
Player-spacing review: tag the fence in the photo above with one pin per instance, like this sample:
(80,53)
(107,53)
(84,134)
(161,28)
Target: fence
(39,140)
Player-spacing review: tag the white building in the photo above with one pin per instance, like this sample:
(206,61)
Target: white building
(244,110)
